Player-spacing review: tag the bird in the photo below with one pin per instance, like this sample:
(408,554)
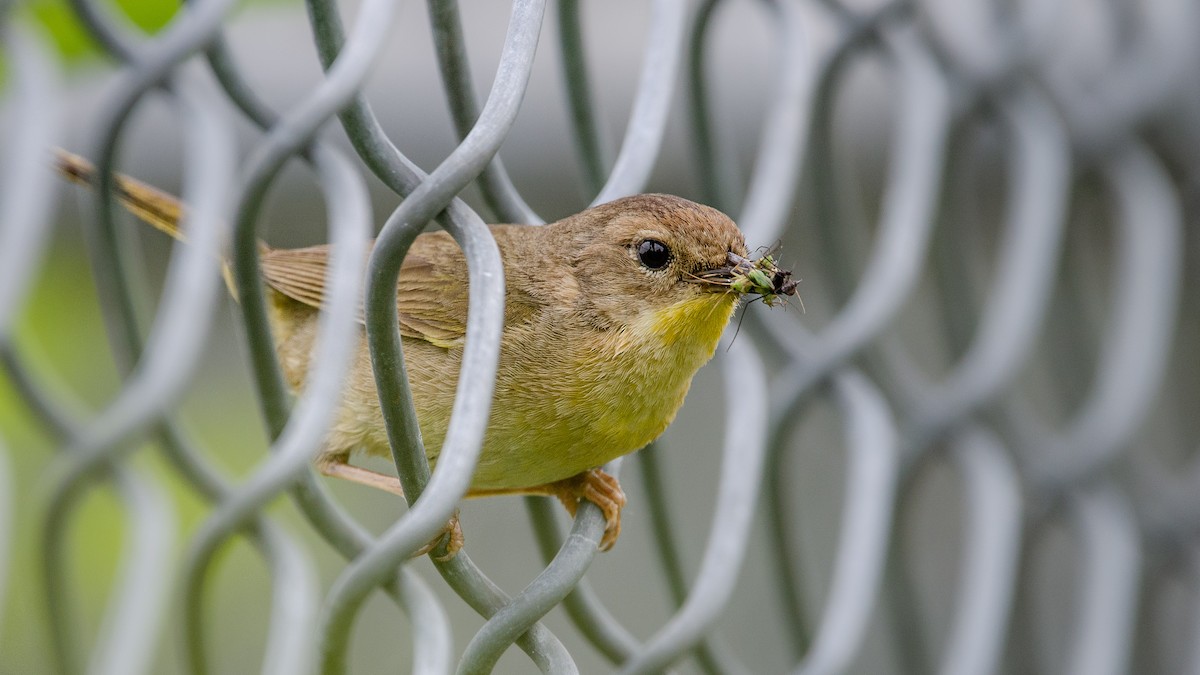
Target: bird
(608,315)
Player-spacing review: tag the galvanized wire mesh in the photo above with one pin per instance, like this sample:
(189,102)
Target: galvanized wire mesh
(999,315)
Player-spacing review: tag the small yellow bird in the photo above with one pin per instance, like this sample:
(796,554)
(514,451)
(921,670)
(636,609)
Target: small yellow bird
(608,315)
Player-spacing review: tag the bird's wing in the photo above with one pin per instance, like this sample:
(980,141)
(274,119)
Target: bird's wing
(431,293)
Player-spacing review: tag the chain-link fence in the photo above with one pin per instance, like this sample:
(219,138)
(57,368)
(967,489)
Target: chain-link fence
(973,452)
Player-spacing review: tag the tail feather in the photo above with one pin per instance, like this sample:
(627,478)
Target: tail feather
(159,209)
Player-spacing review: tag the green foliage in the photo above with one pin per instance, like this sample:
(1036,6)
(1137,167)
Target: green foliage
(72,40)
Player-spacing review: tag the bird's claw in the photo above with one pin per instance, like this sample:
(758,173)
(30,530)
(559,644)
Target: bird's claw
(601,489)
(453,545)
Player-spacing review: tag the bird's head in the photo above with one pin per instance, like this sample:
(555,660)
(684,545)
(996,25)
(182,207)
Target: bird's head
(667,264)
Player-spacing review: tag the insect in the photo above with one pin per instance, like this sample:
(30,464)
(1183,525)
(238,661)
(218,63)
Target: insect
(758,275)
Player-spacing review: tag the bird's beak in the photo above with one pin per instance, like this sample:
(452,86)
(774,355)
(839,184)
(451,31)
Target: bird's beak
(718,279)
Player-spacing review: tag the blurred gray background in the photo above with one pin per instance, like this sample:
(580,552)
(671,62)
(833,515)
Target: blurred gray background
(64,335)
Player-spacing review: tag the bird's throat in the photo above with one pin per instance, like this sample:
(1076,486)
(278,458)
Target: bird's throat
(647,371)
(693,327)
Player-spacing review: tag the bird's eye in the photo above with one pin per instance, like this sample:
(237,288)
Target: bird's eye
(653,254)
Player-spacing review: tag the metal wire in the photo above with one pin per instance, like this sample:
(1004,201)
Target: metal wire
(1001,270)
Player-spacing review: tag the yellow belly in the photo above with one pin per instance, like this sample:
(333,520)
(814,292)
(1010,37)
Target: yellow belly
(564,402)
(609,397)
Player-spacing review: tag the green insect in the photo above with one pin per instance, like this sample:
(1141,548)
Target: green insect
(760,282)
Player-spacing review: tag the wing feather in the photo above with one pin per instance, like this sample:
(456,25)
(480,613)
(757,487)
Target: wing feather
(431,293)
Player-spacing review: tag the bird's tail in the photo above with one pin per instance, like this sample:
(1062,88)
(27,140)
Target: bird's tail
(161,210)
(157,208)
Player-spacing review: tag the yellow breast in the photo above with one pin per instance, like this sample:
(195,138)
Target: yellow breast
(608,396)
(564,402)
(653,371)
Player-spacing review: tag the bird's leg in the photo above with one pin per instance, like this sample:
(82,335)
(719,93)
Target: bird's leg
(594,485)
(336,465)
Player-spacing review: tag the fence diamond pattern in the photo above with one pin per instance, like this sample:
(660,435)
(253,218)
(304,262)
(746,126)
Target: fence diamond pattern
(1003,321)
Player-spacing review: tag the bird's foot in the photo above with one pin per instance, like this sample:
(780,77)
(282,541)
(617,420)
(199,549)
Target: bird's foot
(599,488)
(453,544)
